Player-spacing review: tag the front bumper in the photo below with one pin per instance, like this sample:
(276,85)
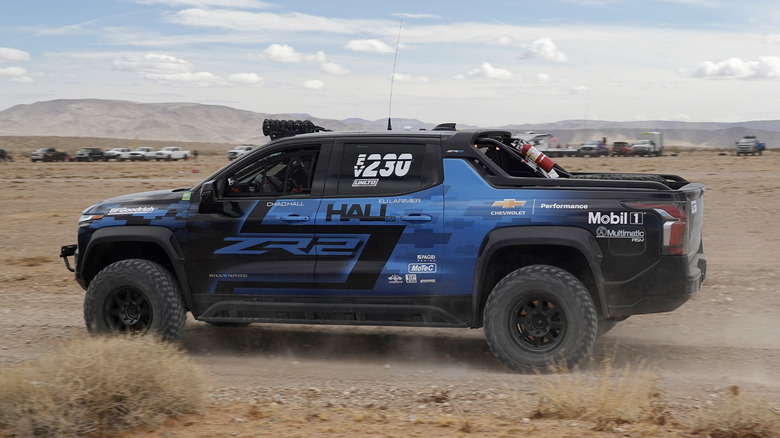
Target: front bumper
(67,251)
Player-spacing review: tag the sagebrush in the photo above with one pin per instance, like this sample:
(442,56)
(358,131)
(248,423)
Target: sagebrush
(97,385)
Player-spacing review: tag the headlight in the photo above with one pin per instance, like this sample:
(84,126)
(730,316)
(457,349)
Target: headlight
(87,219)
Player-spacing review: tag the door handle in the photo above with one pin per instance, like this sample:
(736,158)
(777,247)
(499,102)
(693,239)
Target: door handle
(416,217)
(294,218)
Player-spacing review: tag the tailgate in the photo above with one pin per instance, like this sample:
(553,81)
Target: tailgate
(695,215)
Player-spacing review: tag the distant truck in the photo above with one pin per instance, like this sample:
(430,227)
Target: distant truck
(548,144)
(649,143)
(48,154)
(749,144)
(171,153)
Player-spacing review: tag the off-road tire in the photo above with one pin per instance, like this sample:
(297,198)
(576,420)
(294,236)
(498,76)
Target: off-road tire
(540,316)
(135,296)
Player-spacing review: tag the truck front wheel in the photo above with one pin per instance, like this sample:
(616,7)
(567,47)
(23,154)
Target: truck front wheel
(538,316)
(135,296)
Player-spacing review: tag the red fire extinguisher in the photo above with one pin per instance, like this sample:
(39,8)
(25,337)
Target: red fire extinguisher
(538,157)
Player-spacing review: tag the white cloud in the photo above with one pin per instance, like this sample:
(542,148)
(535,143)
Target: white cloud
(282,53)
(152,63)
(766,67)
(542,77)
(408,15)
(190,79)
(241,4)
(16,74)
(370,46)
(544,48)
(578,89)
(245,79)
(333,69)
(314,84)
(8,54)
(487,71)
(285,53)
(167,69)
(403,78)
(271,23)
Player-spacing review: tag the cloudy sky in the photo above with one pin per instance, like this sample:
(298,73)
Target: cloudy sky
(479,62)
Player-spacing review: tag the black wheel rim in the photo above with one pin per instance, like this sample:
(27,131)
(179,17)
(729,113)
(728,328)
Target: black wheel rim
(538,324)
(128,310)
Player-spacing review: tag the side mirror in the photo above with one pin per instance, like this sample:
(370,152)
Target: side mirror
(208,198)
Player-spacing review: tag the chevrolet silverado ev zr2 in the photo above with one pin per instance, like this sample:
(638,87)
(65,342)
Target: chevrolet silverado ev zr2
(438,228)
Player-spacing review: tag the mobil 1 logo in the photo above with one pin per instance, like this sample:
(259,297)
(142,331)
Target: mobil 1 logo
(613,218)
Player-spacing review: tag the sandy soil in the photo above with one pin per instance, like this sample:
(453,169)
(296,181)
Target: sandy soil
(344,381)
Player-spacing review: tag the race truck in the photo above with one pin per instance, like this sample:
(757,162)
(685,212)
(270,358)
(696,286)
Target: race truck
(438,228)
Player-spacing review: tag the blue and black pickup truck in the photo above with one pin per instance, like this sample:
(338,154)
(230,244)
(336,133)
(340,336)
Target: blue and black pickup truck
(439,228)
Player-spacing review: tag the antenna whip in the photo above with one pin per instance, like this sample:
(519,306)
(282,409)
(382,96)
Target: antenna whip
(392,78)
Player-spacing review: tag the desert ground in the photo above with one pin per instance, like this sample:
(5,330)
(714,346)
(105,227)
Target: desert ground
(289,380)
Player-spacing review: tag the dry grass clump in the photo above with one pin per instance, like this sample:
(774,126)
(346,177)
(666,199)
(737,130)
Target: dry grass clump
(606,397)
(738,416)
(98,385)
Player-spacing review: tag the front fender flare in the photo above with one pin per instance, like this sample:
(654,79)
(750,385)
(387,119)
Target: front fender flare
(160,236)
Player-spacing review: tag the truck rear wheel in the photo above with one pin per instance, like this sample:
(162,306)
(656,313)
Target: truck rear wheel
(135,296)
(538,316)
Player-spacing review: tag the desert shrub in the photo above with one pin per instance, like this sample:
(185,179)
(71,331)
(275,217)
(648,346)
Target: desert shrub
(97,385)
(602,395)
(738,416)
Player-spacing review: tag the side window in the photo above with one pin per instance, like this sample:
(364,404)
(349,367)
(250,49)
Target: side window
(279,173)
(383,169)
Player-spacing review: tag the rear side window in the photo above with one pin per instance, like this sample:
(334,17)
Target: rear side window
(385,169)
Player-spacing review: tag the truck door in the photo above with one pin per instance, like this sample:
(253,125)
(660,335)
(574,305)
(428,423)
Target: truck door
(383,202)
(257,235)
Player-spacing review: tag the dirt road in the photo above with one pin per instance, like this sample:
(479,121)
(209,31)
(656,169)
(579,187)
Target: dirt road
(728,334)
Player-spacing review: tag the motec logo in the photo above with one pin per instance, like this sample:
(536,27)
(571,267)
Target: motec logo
(612,218)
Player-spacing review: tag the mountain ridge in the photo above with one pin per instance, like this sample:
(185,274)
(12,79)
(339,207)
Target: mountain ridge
(195,122)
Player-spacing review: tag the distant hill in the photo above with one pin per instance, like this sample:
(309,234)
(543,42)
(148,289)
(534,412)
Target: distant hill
(192,122)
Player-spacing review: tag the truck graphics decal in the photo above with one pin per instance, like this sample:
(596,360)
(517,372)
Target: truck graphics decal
(349,257)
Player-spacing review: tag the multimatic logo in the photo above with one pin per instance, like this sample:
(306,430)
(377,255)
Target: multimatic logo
(612,218)
(345,212)
(607,233)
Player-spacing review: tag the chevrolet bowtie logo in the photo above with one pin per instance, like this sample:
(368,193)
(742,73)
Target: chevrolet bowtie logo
(508,203)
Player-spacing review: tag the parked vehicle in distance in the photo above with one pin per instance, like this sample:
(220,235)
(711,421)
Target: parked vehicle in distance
(171,153)
(621,149)
(548,144)
(593,148)
(649,143)
(89,154)
(142,153)
(238,150)
(118,154)
(4,156)
(48,154)
(749,144)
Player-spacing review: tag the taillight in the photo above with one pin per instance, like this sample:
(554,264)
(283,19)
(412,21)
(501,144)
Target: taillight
(674,227)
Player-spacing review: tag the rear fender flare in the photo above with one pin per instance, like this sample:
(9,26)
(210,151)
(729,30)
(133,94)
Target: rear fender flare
(578,239)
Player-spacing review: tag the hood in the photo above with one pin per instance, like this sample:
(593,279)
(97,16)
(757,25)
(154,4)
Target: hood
(139,202)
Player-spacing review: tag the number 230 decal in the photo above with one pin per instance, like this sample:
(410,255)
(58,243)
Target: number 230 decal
(373,165)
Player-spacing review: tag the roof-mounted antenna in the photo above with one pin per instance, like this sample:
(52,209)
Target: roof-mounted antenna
(390,107)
